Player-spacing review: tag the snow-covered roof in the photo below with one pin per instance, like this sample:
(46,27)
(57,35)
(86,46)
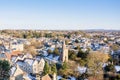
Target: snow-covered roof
(2,55)
(50,56)
(13,58)
(56,58)
(45,53)
(29,61)
(13,69)
(72,78)
(21,63)
(117,68)
(51,48)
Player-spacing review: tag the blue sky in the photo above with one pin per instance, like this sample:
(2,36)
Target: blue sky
(60,14)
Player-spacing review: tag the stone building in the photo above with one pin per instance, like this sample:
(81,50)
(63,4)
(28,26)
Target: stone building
(64,56)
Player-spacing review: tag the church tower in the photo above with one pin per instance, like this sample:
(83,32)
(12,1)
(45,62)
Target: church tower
(64,56)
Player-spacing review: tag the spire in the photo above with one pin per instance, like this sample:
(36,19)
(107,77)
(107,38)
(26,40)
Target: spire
(64,42)
(64,45)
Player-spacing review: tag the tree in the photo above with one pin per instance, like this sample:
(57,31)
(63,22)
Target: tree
(77,41)
(81,54)
(46,68)
(48,35)
(64,70)
(95,61)
(110,59)
(110,68)
(81,62)
(56,51)
(4,69)
(53,69)
(118,77)
(35,43)
(64,66)
(30,49)
(71,54)
(77,48)
(115,47)
(82,76)
(24,36)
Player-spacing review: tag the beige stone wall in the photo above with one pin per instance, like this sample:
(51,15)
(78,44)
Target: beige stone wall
(65,55)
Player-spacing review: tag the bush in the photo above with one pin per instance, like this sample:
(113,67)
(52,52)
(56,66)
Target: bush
(71,54)
(110,68)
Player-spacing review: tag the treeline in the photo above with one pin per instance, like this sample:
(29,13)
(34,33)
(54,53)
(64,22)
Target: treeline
(39,33)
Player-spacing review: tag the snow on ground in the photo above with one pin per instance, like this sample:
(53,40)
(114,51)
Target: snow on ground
(59,77)
(72,78)
(82,69)
(104,65)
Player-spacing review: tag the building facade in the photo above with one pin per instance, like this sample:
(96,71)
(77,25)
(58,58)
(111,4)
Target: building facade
(64,56)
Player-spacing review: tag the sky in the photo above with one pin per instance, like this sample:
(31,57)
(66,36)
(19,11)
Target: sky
(60,14)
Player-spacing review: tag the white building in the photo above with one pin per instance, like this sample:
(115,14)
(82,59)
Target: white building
(31,65)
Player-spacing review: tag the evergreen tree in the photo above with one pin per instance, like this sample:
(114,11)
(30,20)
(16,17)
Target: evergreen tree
(71,55)
(64,66)
(54,69)
(46,68)
(4,69)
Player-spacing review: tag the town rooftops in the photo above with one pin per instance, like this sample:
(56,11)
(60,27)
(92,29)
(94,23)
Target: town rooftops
(15,53)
